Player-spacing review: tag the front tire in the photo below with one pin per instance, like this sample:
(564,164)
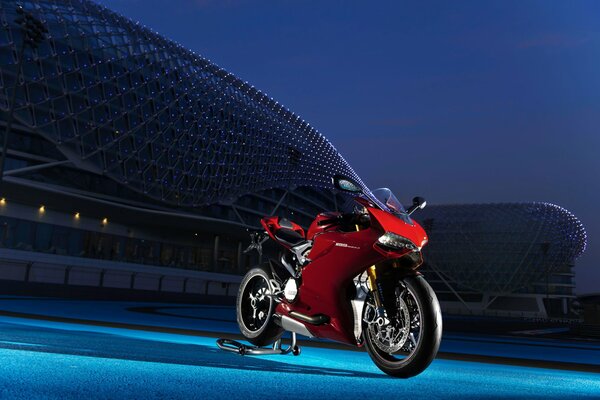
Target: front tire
(255,308)
(397,352)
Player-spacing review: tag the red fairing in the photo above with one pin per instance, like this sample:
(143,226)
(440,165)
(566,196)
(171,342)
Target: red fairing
(336,258)
(390,223)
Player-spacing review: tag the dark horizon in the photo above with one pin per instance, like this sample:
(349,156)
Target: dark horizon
(461,103)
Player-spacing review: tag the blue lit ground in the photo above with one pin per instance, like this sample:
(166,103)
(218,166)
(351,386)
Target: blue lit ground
(53,357)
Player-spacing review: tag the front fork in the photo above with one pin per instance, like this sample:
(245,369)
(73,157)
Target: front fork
(372,274)
(380,310)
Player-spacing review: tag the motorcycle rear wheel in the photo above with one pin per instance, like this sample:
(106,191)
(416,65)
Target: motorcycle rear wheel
(255,308)
(420,344)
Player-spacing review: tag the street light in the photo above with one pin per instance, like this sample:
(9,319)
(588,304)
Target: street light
(34,32)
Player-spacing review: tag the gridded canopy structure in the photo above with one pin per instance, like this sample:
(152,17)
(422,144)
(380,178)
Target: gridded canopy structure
(122,101)
(500,248)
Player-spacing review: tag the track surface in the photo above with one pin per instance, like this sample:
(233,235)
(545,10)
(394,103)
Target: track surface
(46,357)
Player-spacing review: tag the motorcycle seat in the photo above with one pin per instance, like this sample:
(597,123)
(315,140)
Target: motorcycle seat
(288,235)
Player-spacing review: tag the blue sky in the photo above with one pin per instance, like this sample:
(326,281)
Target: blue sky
(460,102)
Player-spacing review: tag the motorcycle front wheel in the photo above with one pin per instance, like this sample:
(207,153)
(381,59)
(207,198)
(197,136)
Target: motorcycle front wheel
(403,341)
(255,308)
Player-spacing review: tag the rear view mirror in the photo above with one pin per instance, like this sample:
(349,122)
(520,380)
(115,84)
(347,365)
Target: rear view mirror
(419,203)
(346,184)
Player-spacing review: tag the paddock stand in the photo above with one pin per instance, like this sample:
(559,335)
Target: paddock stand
(246,350)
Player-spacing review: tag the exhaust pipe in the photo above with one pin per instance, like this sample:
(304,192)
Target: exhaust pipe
(290,324)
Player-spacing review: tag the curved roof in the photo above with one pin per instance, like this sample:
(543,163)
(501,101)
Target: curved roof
(501,247)
(119,99)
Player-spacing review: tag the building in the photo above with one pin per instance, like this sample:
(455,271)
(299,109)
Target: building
(127,147)
(135,164)
(503,259)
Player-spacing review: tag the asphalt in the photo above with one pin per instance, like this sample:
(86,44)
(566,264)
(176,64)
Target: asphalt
(105,350)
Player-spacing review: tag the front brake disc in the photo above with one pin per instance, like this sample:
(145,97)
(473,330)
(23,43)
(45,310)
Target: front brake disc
(391,337)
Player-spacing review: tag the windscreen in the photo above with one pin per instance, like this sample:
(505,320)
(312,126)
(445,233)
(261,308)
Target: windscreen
(385,196)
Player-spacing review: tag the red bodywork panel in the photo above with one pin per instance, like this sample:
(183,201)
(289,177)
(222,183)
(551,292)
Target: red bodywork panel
(316,227)
(336,258)
(272,225)
(390,223)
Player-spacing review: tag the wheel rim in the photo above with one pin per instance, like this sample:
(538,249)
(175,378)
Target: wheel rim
(256,303)
(395,337)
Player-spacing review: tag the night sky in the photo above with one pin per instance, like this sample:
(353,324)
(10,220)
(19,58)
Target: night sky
(458,102)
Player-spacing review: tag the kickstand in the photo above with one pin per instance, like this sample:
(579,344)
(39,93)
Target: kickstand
(246,350)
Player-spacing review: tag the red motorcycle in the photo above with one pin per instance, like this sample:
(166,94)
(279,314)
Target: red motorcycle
(351,278)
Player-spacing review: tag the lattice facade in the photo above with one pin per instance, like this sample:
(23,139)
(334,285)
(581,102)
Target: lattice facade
(500,248)
(122,101)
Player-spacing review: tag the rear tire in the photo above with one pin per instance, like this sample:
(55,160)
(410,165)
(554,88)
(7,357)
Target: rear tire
(255,309)
(411,362)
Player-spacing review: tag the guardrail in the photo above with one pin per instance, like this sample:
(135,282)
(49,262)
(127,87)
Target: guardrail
(26,266)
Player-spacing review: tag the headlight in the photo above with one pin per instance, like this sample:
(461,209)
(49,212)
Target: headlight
(397,242)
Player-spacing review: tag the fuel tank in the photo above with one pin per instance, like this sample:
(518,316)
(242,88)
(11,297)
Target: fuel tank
(320,225)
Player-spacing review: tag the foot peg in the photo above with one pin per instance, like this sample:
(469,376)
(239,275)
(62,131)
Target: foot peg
(246,350)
